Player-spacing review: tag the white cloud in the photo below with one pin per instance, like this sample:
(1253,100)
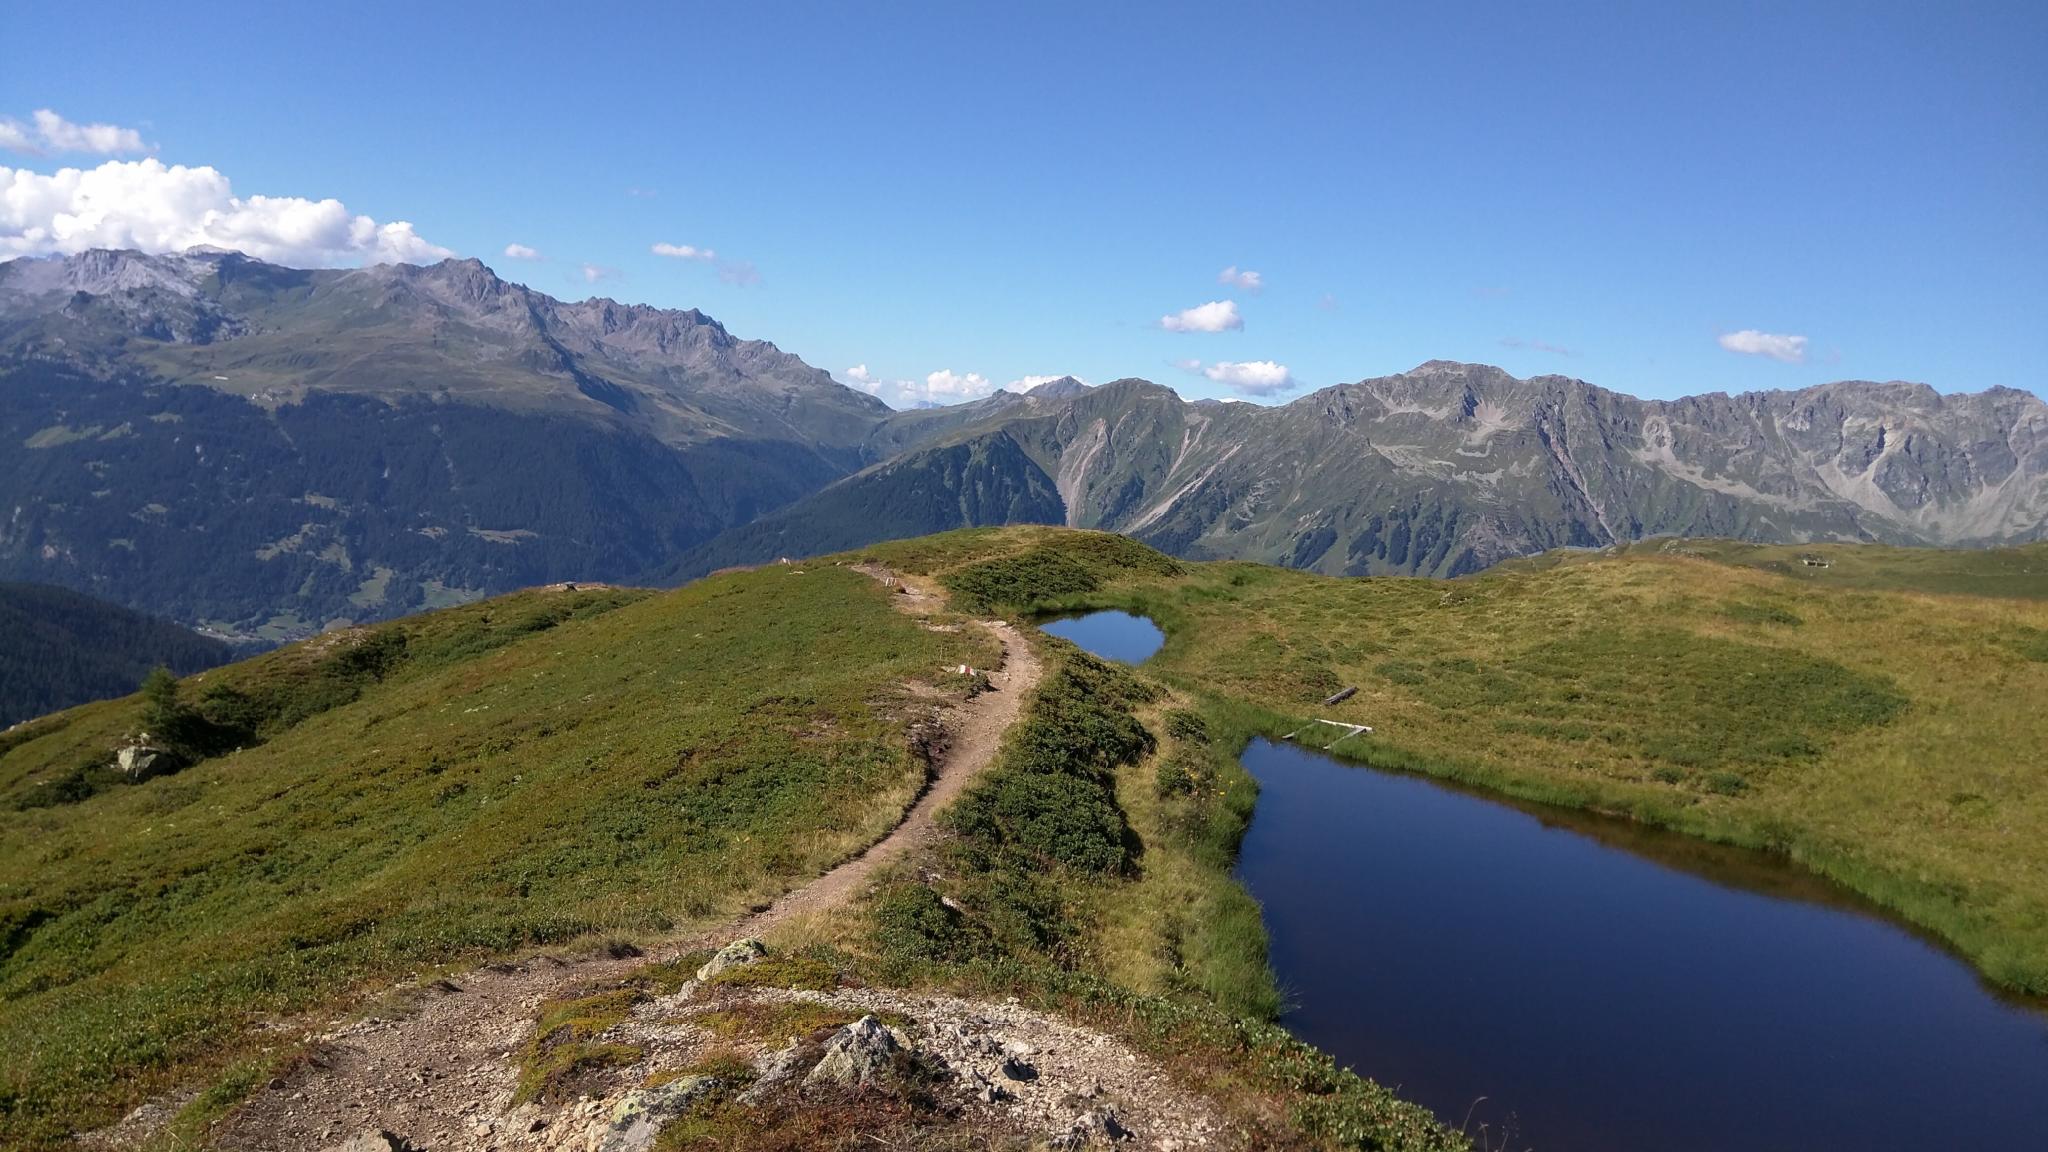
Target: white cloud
(1251,377)
(942,387)
(1243,278)
(1188,365)
(685,252)
(53,133)
(522,252)
(1215,316)
(147,205)
(592,273)
(1750,342)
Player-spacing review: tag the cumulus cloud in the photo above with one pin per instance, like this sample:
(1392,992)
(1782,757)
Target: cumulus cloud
(1251,377)
(685,252)
(50,132)
(522,252)
(942,387)
(1215,316)
(1750,342)
(147,205)
(1534,345)
(1243,278)
(593,273)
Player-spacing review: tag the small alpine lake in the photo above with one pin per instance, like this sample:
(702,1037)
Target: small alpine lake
(1579,982)
(1606,986)
(1111,635)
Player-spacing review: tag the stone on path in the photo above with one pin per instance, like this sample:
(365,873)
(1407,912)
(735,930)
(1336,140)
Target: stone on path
(743,951)
(859,1053)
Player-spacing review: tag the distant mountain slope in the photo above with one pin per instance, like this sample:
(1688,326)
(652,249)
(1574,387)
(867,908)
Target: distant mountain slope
(1453,467)
(59,648)
(989,480)
(272,449)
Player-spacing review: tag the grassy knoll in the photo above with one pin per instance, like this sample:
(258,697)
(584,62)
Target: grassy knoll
(1888,736)
(524,771)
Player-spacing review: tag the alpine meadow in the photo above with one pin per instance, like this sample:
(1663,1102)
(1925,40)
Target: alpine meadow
(823,577)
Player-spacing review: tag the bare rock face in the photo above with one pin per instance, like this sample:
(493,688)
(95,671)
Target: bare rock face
(860,1053)
(743,951)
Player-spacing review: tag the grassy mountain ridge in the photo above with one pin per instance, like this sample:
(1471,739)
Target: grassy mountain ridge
(529,770)
(59,648)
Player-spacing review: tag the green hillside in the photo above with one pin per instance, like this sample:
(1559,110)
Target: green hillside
(536,769)
(59,648)
(572,768)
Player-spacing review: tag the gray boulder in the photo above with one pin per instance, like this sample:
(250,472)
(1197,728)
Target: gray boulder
(860,1053)
(743,951)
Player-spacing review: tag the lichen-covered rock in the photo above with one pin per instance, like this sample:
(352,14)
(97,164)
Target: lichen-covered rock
(743,951)
(640,1117)
(860,1053)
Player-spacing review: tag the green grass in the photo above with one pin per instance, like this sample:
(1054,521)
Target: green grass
(530,771)
(1876,720)
(2020,572)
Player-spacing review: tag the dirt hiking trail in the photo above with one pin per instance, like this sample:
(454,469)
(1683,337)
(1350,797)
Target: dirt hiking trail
(434,1066)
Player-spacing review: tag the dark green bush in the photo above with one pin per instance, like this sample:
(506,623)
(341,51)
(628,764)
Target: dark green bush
(1058,818)
(912,924)
(1188,725)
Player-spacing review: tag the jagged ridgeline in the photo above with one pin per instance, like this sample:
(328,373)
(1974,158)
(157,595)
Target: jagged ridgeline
(269,450)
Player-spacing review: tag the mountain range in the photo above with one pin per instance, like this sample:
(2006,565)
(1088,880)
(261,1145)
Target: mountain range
(266,450)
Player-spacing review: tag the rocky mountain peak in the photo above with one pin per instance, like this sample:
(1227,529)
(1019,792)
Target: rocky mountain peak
(1059,389)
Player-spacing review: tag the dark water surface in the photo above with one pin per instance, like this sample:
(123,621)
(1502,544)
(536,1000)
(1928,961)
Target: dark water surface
(1111,635)
(1609,987)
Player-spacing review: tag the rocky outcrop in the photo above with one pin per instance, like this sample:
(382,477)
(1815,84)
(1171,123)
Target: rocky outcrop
(744,951)
(859,1054)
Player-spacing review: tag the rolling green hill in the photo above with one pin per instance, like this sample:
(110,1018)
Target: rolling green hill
(532,770)
(59,648)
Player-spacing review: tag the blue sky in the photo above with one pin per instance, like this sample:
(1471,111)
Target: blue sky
(1611,191)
